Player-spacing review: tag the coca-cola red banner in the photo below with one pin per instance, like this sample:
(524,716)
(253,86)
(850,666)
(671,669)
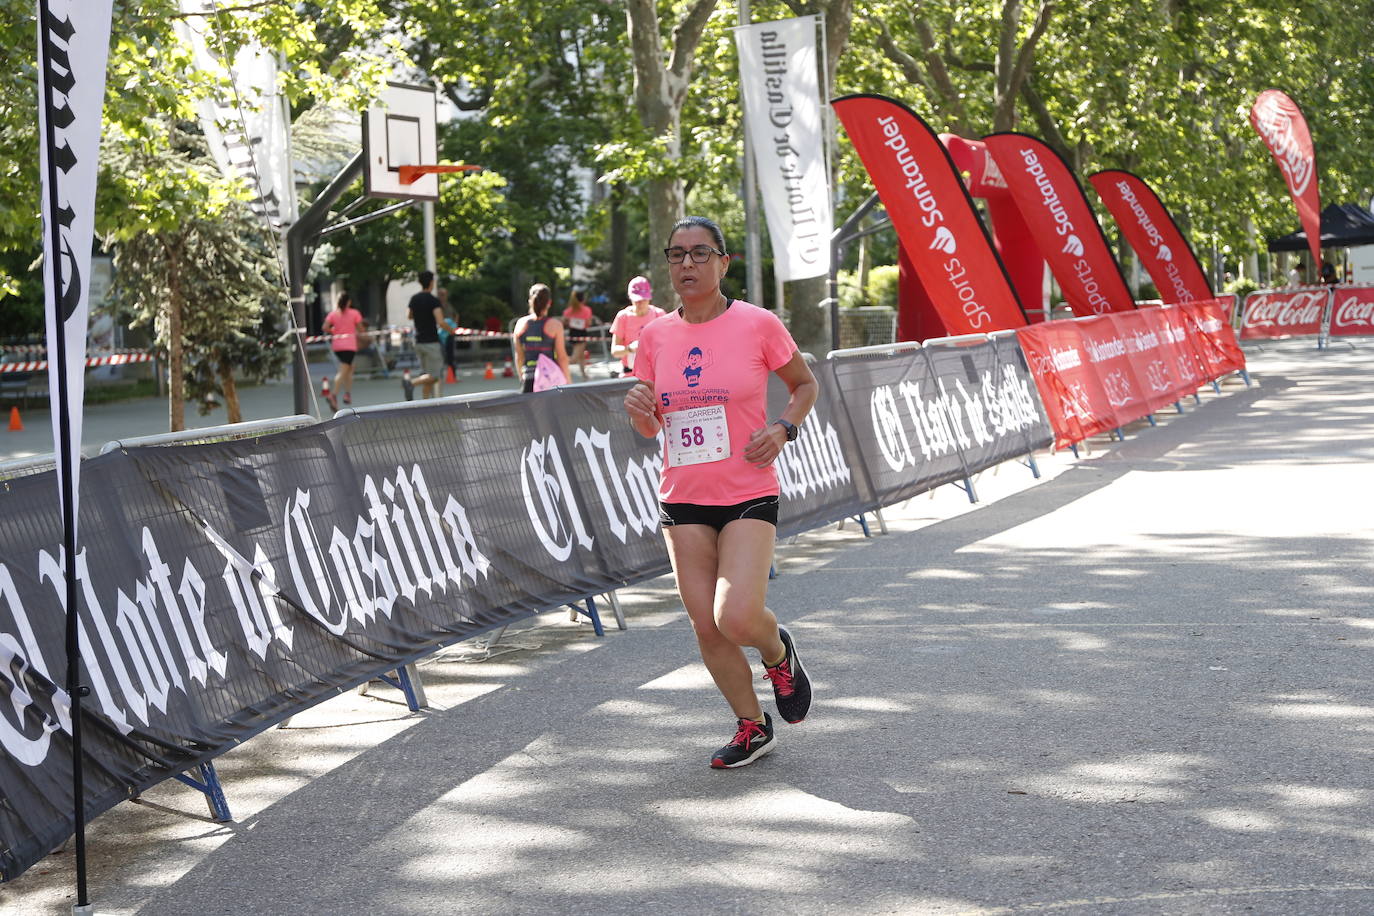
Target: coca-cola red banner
(933,215)
(1274,313)
(1062,224)
(1279,121)
(1154,236)
(1100,373)
(1352,311)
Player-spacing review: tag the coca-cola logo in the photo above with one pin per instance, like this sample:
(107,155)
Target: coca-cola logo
(1278,126)
(1286,311)
(1352,312)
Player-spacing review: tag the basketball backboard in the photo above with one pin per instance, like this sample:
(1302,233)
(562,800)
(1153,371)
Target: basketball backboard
(399,130)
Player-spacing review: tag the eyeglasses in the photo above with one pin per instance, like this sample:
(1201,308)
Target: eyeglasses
(700,254)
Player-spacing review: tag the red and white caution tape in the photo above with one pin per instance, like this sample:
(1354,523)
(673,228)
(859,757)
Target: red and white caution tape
(113,359)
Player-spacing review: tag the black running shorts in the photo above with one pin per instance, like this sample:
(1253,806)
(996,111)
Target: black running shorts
(763,508)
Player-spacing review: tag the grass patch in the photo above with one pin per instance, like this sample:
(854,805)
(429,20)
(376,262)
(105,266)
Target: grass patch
(121,391)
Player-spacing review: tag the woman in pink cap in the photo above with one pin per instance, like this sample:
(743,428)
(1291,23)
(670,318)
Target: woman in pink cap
(629,323)
(703,385)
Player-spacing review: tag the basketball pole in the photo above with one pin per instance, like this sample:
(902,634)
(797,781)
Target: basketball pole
(303,234)
(431,261)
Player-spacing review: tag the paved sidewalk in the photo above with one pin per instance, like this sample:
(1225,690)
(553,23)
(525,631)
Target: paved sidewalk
(1141,685)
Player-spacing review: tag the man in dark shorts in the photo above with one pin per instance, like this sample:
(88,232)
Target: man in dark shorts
(427,312)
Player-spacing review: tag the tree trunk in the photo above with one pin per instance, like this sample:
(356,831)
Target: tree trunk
(620,241)
(176,382)
(665,200)
(659,91)
(231,392)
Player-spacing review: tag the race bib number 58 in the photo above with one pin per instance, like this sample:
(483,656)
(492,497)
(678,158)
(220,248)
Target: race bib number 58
(696,436)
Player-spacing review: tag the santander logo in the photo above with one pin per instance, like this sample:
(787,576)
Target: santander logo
(944,241)
(1164,254)
(1073,246)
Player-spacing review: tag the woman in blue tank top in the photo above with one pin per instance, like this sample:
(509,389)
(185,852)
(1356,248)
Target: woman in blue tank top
(537,334)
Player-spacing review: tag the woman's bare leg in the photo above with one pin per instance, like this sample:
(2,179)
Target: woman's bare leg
(693,551)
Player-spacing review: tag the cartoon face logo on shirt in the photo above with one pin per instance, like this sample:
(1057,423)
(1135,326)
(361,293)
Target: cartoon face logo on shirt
(695,362)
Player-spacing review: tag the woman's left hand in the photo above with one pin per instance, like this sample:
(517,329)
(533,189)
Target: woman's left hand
(765,445)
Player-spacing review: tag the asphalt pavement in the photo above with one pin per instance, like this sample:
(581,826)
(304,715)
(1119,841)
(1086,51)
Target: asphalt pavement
(1139,685)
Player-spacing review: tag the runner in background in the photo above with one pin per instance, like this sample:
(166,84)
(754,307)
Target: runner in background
(630,321)
(537,334)
(428,315)
(344,324)
(577,318)
(703,374)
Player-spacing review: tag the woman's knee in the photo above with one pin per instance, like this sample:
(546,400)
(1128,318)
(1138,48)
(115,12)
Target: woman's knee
(740,624)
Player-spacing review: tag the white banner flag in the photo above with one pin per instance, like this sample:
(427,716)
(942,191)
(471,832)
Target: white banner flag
(74,37)
(784,117)
(262,155)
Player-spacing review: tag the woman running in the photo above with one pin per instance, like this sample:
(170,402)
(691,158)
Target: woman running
(577,318)
(536,334)
(343,325)
(703,382)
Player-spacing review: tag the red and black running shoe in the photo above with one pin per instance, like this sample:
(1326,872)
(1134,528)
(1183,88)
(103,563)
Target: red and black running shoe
(752,740)
(791,686)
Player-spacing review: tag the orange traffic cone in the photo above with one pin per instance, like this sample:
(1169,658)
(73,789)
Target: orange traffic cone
(16,426)
(490,373)
(509,371)
(449,377)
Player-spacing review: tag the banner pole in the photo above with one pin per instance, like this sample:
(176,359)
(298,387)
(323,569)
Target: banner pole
(64,462)
(753,246)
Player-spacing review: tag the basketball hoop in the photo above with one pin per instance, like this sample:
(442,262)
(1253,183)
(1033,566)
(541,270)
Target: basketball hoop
(409,174)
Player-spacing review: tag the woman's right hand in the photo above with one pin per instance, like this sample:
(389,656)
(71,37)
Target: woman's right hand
(639,406)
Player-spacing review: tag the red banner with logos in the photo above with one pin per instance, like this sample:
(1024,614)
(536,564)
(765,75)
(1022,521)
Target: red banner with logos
(1062,223)
(1069,384)
(1102,372)
(1275,313)
(1279,121)
(1352,311)
(934,217)
(1154,236)
(1213,337)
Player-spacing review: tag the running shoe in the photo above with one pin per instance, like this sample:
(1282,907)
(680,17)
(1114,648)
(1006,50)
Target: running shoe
(752,740)
(348,399)
(791,686)
(408,386)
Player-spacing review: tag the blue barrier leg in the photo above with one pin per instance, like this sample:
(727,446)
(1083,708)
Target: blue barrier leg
(863,523)
(1216,386)
(1073,447)
(209,785)
(1151,418)
(967,487)
(1035,468)
(1121,436)
(1245,376)
(1179,405)
(590,612)
(408,685)
(1197,398)
(772,571)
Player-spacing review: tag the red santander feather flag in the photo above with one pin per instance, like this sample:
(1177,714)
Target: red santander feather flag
(933,215)
(1279,121)
(1156,239)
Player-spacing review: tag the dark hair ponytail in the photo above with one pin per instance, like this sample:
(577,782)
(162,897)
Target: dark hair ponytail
(541,297)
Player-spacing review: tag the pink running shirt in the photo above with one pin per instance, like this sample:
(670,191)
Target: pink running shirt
(726,360)
(344,326)
(630,326)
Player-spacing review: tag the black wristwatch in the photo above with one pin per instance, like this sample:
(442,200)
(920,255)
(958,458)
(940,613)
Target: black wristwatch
(790,429)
